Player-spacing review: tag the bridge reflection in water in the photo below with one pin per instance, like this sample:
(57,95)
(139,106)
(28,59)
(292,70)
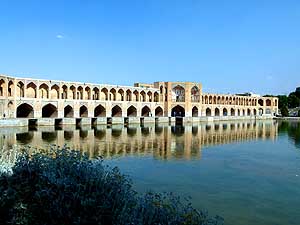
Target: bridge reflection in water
(160,142)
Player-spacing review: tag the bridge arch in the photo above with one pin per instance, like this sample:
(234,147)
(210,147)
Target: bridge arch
(25,111)
(116,111)
(159,112)
(146,112)
(178,111)
(195,112)
(131,111)
(49,111)
(83,111)
(99,111)
(68,112)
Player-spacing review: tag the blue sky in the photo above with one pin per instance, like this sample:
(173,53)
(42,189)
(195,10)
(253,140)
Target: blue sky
(229,46)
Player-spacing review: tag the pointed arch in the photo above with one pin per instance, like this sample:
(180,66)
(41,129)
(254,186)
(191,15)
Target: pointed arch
(20,89)
(31,90)
(43,91)
(195,112)
(131,111)
(208,112)
(128,95)
(25,111)
(68,112)
(232,112)
(178,111)
(146,112)
(217,112)
(49,111)
(100,111)
(225,112)
(83,111)
(159,112)
(54,92)
(104,94)
(116,111)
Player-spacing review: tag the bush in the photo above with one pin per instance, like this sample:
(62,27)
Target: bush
(65,187)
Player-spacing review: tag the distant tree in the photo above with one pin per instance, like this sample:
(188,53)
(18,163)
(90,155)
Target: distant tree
(284,111)
(299,113)
(282,101)
(293,100)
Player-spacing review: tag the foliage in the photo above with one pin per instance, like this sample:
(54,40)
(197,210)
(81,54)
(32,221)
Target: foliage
(282,101)
(293,100)
(299,113)
(65,187)
(284,111)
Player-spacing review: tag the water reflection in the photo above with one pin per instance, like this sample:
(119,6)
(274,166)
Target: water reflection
(292,129)
(163,142)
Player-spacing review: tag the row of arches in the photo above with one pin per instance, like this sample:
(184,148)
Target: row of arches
(225,100)
(50,111)
(179,111)
(32,90)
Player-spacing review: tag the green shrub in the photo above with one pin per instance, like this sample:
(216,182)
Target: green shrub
(65,187)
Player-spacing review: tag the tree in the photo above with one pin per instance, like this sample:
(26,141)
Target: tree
(282,101)
(293,100)
(284,111)
(299,113)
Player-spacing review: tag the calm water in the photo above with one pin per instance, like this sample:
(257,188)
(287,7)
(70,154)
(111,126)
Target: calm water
(246,172)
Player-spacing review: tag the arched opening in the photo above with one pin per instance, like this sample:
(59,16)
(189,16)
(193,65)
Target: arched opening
(261,102)
(10,88)
(31,90)
(72,92)
(128,95)
(116,111)
(43,91)
(261,111)
(54,92)
(64,94)
(136,96)
(254,112)
(243,112)
(20,89)
(49,111)
(2,87)
(68,112)
(208,112)
(217,112)
(99,111)
(25,111)
(178,111)
(194,111)
(225,113)
(156,97)
(112,95)
(83,111)
(95,93)
(104,94)
(159,112)
(143,96)
(87,93)
(149,96)
(146,112)
(248,112)
(80,93)
(120,95)
(195,94)
(232,112)
(131,111)
(178,94)
(239,112)
(268,102)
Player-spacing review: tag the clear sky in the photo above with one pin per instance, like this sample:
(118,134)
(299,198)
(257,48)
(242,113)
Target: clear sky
(229,46)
